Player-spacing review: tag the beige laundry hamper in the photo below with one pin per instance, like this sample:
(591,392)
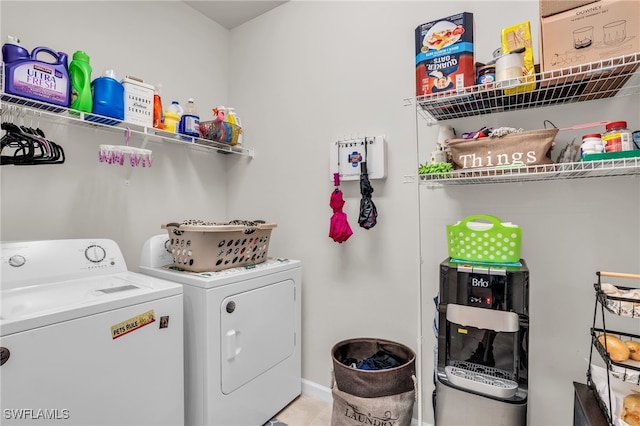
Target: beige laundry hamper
(372,396)
(214,247)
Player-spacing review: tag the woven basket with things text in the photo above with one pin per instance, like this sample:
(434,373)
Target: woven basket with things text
(530,148)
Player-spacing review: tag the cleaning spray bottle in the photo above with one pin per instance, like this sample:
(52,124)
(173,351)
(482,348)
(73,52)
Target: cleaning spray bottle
(225,133)
(234,119)
(80,75)
(190,120)
(172,117)
(157,108)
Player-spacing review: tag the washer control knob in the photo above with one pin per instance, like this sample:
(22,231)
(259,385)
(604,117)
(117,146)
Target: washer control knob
(95,253)
(231,306)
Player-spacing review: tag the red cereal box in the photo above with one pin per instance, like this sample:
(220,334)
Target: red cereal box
(444,54)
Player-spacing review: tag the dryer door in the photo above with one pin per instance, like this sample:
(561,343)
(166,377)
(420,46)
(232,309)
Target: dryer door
(257,332)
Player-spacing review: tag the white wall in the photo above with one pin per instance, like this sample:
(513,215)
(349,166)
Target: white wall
(160,42)
(302,76)
(311,72)
(306,75)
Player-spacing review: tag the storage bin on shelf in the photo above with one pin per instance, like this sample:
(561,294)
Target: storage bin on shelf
(616,385)
(199,246)
(490,241)
(220,131)
(138,101)
(527,148)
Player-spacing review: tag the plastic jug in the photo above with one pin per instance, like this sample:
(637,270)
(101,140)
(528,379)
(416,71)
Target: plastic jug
(172,117)
(12,50)
(108,96)
(157,108)
(29,77)
(80,75)
(190,120)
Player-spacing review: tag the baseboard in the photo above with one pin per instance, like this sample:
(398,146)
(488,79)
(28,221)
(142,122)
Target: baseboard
(323,393)
(317,391)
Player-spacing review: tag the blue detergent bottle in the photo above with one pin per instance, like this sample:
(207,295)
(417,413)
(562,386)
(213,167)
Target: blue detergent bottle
(108,96)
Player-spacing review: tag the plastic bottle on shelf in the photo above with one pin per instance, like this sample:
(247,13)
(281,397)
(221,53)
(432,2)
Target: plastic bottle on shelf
(80,76)
(172,117)
(157,108)
(223,110)
(226,133)
(108,95)
(190,120)
(231,116)
(617,137)
(591,144)
(24,75)
(12,51)
(234,119)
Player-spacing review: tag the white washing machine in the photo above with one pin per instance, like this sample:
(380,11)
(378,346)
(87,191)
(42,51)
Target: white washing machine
(242,337)
(84,341)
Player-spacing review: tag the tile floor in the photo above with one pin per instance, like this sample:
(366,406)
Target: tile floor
(306,411)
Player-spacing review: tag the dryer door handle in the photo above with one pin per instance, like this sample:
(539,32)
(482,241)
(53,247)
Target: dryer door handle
(233,344)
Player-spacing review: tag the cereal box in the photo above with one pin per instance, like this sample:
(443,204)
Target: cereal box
(444,54)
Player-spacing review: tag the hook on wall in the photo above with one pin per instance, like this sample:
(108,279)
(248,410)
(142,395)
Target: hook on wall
(347,154)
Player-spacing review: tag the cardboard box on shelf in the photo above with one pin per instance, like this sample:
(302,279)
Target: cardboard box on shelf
(591,33)
(552,7)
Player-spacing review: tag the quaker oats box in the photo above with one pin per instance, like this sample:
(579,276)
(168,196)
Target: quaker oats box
(444,54)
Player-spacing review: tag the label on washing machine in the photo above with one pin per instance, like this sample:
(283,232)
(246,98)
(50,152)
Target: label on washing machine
(132,324)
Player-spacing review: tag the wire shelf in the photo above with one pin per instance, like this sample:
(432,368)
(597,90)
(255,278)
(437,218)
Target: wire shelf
(16,106)
(597,80)
(556,171)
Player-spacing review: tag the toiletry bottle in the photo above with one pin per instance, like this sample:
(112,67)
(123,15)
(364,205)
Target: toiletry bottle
(190,120)
(157,108)
(80,76)
(108,96)
(172,117)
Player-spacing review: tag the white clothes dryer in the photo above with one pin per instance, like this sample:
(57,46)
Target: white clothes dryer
(84,341)
(242,337)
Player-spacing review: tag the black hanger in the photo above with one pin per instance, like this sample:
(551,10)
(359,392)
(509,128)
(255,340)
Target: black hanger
(23,146)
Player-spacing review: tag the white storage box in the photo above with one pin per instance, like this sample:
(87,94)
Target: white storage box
(138,102)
